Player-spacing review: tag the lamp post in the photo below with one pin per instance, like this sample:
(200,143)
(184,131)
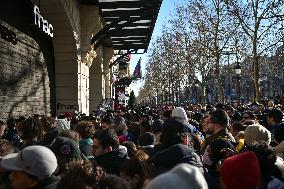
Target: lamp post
(177,97)
(238,72)
(195,89)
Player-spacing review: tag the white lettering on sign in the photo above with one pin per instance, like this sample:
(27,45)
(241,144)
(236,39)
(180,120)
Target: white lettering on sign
(42,23)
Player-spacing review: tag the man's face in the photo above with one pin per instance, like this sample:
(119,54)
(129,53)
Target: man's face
(210,126)
(21,180)
(205,124)
(97,148)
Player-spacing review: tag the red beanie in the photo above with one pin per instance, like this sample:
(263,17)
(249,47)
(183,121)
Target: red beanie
(241,171)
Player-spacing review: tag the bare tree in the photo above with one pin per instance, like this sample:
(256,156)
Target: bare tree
(260,21)
(213,21)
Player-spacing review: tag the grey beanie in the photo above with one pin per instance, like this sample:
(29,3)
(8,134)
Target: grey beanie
(183,176)
(257,133)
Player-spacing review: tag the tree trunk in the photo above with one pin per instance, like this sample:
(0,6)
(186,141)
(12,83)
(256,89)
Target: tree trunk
(255,68)
(202,92)
(219,81)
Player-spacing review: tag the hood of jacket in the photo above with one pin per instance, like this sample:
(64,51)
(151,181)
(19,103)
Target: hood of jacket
(173,155)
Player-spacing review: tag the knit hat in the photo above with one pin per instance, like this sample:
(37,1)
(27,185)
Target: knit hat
(241,171)
(183,176)
(65,147)
(179,113)
(257,133)
(37,161)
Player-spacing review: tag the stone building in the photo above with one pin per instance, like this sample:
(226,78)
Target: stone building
(55,55)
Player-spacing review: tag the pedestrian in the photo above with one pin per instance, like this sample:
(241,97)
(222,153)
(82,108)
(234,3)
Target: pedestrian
(32,168)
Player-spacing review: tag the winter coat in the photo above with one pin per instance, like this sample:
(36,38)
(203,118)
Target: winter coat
(49,137)
(112,161)
(167,158)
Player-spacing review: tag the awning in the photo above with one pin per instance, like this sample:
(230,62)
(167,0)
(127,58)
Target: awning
(129,23)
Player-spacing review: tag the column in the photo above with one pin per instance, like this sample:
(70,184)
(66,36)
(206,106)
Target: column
(108,53)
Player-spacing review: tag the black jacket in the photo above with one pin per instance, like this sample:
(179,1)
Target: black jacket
(49,137)
(112,161)
(167,158)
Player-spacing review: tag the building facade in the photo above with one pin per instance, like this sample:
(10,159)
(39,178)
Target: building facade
(55,55)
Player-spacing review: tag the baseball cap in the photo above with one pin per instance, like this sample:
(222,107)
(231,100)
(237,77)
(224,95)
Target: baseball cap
(37,161)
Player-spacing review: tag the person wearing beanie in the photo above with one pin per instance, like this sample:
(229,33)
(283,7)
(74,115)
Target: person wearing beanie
(257,133)
(240,172)
(183,176)
(180,115)
(66,151)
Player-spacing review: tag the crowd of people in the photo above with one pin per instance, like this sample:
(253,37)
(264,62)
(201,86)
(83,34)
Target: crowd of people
(187,147)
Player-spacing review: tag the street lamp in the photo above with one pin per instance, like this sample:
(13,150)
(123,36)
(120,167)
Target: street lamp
(238,71)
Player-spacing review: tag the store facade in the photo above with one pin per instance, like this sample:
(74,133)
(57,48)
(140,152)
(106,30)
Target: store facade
(46,58)
(27,81)
(48,64)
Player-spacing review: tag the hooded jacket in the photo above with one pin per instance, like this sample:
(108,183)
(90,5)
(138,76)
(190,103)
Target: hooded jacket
(169,157)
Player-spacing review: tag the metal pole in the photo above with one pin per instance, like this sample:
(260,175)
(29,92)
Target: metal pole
(229,79)
(238,89)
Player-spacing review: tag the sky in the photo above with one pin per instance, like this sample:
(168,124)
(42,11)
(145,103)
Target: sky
(166,8)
